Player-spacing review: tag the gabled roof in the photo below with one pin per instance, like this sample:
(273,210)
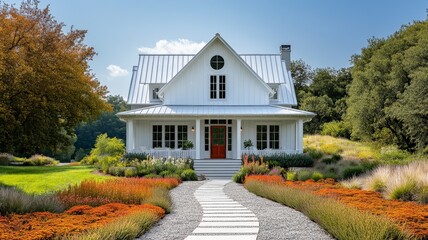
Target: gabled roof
(216,111)
(216,37)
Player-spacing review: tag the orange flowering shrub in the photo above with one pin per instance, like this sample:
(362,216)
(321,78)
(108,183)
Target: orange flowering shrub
(410,216)
(123,190)
(46,225)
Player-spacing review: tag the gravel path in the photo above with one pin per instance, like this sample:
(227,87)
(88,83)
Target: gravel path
(276,221)
(183,219)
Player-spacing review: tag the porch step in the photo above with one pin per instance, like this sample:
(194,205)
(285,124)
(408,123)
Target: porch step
(217,168)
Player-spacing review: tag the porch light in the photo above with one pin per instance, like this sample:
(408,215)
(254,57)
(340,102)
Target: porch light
(241,129)
(193,129)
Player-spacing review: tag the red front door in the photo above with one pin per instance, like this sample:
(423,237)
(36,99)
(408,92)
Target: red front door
(218,142)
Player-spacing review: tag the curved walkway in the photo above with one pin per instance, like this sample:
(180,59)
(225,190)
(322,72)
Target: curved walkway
(272,220)
(223,218)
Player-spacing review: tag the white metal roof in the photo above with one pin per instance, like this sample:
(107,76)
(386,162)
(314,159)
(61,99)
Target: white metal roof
(226,111)
(161,68)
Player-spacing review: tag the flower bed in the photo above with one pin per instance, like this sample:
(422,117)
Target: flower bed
(46,225)
(96,210)
(409,216)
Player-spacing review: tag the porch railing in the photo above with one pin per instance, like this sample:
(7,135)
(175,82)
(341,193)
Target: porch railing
(267,152)
(170,153)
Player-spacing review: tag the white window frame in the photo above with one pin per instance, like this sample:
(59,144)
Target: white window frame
(268,135)
(163,131)
(275,88)
(218,87)
(154,97)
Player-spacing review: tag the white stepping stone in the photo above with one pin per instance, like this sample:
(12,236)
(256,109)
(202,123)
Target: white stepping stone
(229,215)
(224,208)
(227,211)
(223,237)
(229,224)
(223,218)
(213,219)
(221,230)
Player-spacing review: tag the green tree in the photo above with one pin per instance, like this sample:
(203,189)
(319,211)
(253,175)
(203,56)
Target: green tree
(302,75)
(325,96)
(46,85)
(387,99)
(107,123)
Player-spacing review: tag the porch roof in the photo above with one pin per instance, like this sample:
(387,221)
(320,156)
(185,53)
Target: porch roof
(216,111)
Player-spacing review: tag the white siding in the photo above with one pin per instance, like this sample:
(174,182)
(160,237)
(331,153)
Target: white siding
(192,85)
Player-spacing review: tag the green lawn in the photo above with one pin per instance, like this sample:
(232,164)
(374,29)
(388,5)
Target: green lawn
(45,179)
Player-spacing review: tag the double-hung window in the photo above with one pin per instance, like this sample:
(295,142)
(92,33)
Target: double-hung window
(263,131)
(157,136)
(182,135)
(218,87)
(170,136)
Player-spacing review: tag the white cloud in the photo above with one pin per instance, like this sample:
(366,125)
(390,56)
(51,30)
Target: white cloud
(116,71)
(182,46)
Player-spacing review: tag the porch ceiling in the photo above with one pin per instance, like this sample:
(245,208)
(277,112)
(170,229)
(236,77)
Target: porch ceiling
(216,111)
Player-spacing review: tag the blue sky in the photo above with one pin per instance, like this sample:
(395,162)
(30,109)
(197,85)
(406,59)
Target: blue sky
(323,33)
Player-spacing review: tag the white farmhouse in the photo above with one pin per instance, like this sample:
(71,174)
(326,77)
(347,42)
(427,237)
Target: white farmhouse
(217,99)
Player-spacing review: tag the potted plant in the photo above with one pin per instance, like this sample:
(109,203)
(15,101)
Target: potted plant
(248,144)
(187,145)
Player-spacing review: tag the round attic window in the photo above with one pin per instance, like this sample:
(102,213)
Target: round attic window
(217,62)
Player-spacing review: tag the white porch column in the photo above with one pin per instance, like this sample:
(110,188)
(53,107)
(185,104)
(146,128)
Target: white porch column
(299,136)
(130,137)
(238,138)
(198,139)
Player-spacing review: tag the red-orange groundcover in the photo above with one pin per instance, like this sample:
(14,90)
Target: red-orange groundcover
(46,225)
(410,216)
(93,204)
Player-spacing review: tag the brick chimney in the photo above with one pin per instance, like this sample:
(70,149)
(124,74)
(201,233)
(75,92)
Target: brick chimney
(285,51)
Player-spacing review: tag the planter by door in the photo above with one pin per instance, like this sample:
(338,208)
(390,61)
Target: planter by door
(218,142)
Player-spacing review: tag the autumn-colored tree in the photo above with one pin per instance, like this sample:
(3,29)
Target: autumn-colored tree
(46,86)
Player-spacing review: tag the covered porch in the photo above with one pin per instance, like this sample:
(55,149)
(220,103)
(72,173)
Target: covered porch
(216,132)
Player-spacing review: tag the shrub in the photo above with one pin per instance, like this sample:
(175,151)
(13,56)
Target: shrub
(352,171)
(336,129)
(189,175)
(105,162)
(392,154)
(13,200)
(187,145)
(277,171)
(135,156)
(40,160)
(315,154)
(317,176)
(130,172)
(304,175)
(290,160)
(5,158)
(333,159)
(341,221)
(105,147)
(291,176)
(239,177)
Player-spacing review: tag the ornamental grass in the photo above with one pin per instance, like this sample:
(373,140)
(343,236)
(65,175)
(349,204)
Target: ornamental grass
(123,190)
(78,219)
(363,214)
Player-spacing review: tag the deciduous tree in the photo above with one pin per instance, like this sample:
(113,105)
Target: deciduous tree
(46,85)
